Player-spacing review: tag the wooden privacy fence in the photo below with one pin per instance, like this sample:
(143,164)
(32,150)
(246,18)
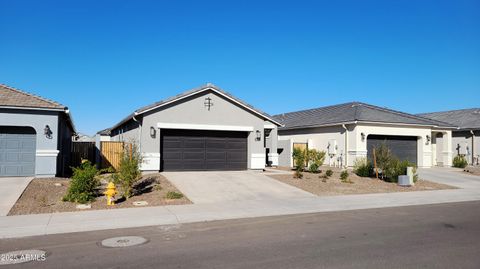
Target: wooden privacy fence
(111,153)
(82,151)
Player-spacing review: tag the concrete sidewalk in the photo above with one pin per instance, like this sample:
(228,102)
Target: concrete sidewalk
(44,224)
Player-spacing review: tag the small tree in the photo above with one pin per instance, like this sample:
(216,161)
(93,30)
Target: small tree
(383,156)
(128,172)
(299,158)
(84,184)
(315,159)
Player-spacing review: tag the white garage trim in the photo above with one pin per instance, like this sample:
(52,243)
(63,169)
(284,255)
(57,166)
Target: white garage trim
(257,161)
(151,161)
(47,153)
(186,126)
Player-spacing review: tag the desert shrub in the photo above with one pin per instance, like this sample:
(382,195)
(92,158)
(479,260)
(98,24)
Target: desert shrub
(313,168)
(315,158)
(128,172)
(329,173)
(459,161)
(324,178)
(84,184)
(363,167)
(344,175)
(383,156)
(173,195)
(299,157)
(298,174)
(396,168)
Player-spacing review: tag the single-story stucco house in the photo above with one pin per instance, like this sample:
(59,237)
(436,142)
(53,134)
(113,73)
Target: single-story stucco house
(465,139)
(35,135)
(201,129)
(351,130)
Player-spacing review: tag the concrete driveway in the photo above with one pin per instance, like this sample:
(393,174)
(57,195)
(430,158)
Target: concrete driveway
(214,187)
(11,188)
(450,176)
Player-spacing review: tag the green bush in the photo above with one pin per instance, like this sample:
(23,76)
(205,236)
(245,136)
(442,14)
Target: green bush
(363,167)
(329,173)
(459,161)
(396,168)
(315,158)
(84,184)
(344,175)
(383,156)
(299,157)
(173,195)
(313,168)
(128,172)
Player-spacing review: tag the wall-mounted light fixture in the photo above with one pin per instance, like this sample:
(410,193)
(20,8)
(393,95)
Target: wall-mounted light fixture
(153,132)
(47,132)
(258,135)
(363,136)
(428,140)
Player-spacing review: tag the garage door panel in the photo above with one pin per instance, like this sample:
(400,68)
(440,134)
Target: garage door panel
(403,147)
(12,157)
(216,144)
(204,150)
(194,155)
(194,143)
(216,156)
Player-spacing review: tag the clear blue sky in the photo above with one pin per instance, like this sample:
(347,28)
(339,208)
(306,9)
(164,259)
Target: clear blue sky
(104,59)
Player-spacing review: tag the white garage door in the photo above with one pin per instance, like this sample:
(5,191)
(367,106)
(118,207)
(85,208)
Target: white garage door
(17,151)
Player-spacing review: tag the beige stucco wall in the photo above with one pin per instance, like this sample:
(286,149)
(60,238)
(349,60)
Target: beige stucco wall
(319,138)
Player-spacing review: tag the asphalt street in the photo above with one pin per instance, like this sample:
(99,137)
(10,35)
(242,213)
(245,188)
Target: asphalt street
(429,236)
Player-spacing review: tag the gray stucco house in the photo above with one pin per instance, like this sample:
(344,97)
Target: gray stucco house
(349,131)
(465,139)
(202,129)
(35,135)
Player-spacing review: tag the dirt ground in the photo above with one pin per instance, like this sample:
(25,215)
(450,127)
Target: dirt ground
(474,170)
(42,196)
(334,186)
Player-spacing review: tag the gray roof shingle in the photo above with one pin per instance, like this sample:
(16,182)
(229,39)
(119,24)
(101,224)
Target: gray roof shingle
(351,112)
(463,118)
(12,97)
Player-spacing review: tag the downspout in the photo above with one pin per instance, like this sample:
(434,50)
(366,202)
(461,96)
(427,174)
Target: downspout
(346,145)
(473,144)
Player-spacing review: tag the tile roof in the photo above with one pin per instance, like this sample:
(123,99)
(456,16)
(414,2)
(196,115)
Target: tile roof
(351,112)
(463,118)
(12,97)
(208,86)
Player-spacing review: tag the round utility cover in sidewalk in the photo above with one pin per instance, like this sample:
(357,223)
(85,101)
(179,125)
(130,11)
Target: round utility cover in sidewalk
(123,241)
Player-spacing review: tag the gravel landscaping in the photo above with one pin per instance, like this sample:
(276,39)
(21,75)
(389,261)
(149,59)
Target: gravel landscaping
(474,170)
(43,196)
(360,185)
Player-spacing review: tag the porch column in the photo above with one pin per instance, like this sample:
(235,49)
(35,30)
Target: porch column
(447,148)
(273,154)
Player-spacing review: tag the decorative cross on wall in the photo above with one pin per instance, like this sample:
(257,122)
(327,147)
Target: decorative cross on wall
(208,103)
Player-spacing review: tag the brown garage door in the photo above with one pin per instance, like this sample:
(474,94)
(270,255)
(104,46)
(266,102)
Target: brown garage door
(193,150)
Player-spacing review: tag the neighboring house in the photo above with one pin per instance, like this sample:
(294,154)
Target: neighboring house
(83,138)
(35,135)
(466,139)
(202,129)
(350,131)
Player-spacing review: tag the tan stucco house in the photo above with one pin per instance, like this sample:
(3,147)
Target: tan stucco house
(350,131)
